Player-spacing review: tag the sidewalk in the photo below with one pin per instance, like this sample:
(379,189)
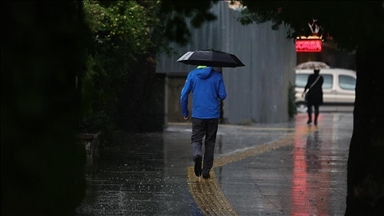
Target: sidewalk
(280,169)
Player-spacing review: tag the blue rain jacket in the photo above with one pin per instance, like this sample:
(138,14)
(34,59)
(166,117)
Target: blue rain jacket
(207,88)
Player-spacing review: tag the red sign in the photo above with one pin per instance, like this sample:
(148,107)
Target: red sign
(308,45)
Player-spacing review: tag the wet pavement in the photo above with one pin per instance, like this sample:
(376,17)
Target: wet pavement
(275,169)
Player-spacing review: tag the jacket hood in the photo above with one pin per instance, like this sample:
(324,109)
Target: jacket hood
(203,72)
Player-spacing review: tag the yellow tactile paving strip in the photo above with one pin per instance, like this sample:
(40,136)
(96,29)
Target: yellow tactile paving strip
(207,193)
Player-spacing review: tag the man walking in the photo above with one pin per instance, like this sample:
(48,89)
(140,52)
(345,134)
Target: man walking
(208,90)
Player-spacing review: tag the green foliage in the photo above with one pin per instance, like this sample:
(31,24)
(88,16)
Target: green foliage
(122,35)
(122,23)
(292,110)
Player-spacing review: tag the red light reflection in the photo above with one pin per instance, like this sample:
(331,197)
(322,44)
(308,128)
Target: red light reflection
(311,177)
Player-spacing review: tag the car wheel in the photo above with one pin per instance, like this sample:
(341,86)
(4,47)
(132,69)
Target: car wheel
(301,107)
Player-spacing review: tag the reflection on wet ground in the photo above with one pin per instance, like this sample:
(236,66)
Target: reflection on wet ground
(283,169)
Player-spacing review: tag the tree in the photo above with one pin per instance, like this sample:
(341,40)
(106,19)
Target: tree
(122,40)
(42,55)
(175,13)
(128,35)
(353,25)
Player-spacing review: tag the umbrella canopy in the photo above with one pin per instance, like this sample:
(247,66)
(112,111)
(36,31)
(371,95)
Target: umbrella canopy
(312,65)
(210,57)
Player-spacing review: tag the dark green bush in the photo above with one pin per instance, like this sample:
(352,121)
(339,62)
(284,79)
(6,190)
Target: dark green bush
(292,111)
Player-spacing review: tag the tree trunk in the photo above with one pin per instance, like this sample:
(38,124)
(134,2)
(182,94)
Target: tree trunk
(365,184)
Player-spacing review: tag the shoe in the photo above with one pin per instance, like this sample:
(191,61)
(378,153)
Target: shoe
(198,166)
(315,123)
(206,175)
(309,122)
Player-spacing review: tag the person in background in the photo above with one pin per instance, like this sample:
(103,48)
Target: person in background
(314,96)
(208,91)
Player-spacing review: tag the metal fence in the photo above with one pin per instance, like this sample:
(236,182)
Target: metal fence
(257,92)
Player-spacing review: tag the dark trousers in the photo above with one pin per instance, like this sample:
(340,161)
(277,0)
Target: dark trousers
(316,106)
(207,128)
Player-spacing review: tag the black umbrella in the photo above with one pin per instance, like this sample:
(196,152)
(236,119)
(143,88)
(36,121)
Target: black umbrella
(210,57)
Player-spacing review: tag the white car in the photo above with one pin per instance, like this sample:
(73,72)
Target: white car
(338,87)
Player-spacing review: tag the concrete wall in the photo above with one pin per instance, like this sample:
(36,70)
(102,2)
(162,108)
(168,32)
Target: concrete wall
(257,92)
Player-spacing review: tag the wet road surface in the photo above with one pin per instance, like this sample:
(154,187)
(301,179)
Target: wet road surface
(275,169)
